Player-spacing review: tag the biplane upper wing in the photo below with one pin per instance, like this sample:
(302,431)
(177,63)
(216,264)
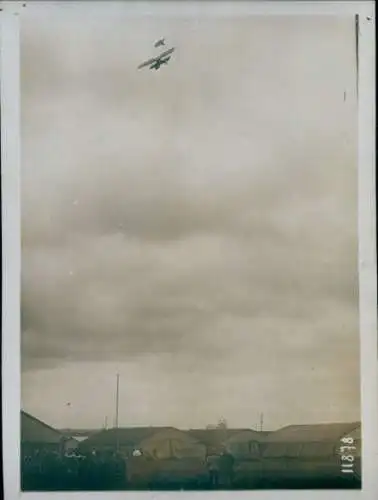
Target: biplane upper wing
(147,63)
(158,58)
(166,53)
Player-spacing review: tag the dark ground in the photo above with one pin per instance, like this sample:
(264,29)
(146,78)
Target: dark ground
(39,482)
(50,472)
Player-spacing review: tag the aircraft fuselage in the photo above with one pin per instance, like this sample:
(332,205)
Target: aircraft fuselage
(158,63)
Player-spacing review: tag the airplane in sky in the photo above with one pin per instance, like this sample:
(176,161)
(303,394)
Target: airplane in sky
(160,42)
(156,62)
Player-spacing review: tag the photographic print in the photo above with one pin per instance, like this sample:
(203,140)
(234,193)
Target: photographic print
(189,250)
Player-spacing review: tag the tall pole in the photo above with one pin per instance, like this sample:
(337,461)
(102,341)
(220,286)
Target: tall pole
(117,402)
(117,408)
(261,421)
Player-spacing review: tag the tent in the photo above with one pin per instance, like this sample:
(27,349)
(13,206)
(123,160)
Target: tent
(245,444)
(154,442)
(307,441)
(37,435)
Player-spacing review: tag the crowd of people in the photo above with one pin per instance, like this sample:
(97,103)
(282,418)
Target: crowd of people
(93,471)
(52,471)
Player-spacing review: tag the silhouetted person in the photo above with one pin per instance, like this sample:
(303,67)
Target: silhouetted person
(226,468)
(212,463)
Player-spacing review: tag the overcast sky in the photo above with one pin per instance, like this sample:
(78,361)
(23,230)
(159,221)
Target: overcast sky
(192,228)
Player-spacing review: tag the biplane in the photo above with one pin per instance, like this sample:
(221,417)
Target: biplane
(156,62)
(159,42)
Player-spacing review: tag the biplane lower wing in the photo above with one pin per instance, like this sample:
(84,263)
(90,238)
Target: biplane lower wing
(148,63)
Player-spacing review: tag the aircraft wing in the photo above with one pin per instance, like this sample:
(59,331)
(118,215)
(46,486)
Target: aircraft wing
(147,63)
(158,58)
(165,53)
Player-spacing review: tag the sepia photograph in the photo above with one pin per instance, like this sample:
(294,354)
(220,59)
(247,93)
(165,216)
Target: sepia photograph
(189,250)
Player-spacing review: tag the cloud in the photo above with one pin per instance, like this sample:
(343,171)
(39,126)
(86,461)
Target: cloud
(204,216)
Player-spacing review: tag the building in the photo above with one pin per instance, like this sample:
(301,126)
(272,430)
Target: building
(246,444)
(217,439)
(155,442)
(70,444)
(39,436)
(317,440)
(311,451)
(79,434)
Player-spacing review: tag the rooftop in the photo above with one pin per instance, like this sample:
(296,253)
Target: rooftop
(128,436)
(312,432)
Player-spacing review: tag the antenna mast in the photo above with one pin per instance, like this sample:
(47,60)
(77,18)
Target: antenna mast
(117,402)
(117,410)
